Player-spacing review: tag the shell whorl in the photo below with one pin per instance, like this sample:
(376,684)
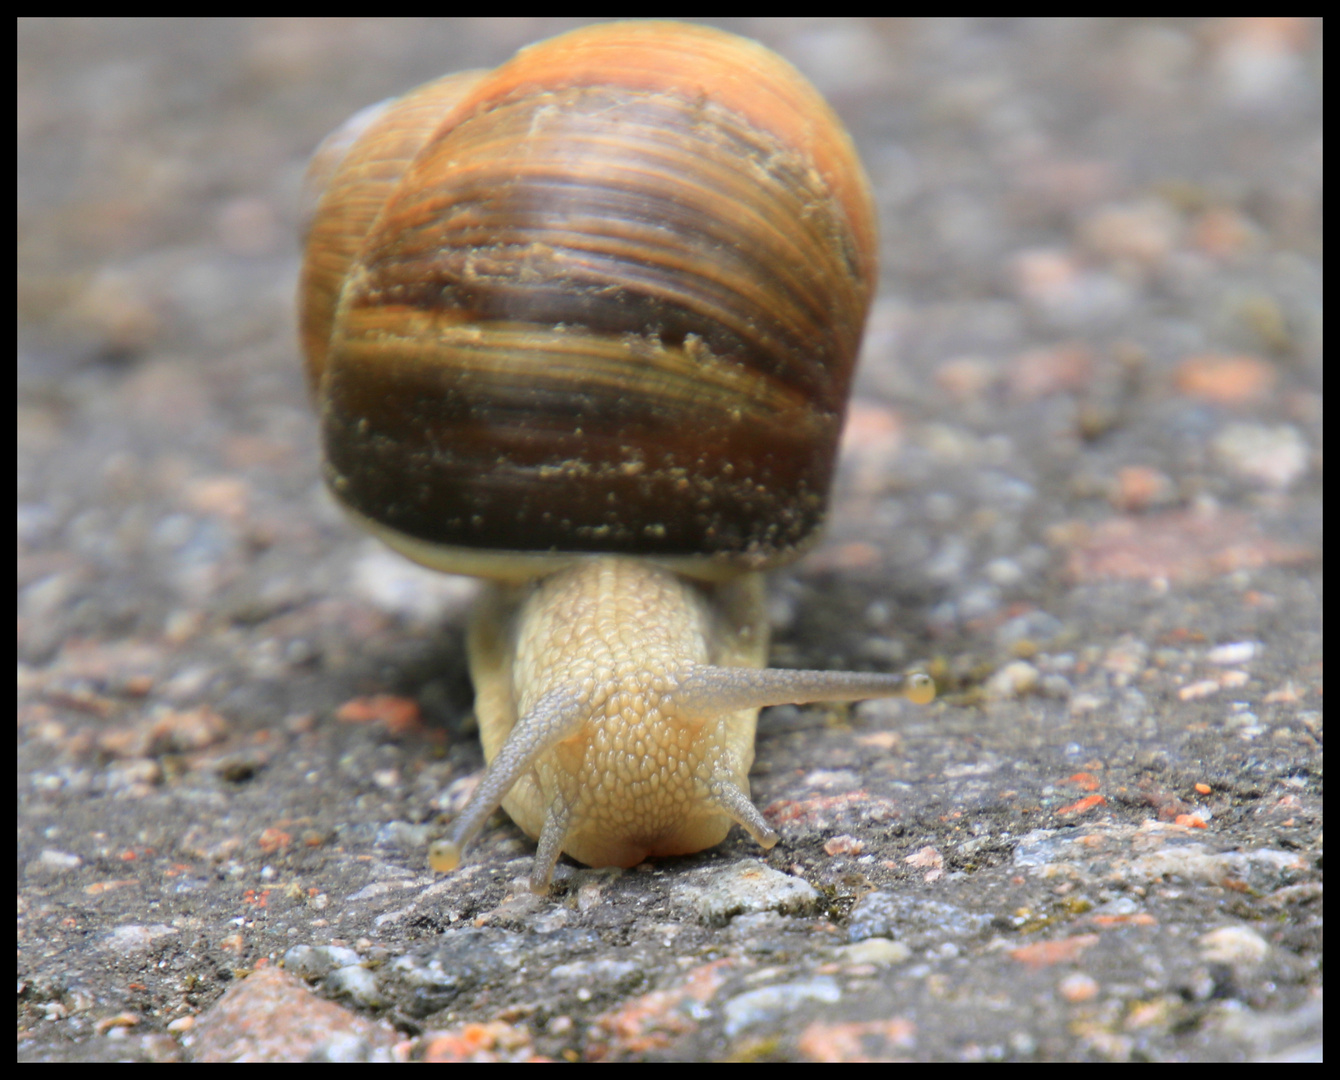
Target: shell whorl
(606,298)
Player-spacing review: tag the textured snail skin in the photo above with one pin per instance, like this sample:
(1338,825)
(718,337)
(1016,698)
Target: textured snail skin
(622,635)
(639,691)
(585,325)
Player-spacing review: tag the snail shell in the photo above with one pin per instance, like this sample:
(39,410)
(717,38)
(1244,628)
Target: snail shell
(603,300)
(609,298)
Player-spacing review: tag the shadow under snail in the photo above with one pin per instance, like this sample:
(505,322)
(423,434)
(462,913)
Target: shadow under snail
(584,326)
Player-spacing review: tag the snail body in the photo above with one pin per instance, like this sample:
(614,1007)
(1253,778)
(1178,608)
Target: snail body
(584,326)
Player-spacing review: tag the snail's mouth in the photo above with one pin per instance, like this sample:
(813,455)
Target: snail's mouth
(594,845)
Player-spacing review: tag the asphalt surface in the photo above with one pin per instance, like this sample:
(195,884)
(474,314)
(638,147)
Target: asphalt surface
(1081,486)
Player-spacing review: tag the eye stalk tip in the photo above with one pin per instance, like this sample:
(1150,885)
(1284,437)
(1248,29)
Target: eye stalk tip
(444,856)
(920,688)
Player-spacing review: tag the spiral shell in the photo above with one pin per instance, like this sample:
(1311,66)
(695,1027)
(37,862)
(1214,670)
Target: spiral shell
(604,298)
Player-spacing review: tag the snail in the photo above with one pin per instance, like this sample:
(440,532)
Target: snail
(584,326)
